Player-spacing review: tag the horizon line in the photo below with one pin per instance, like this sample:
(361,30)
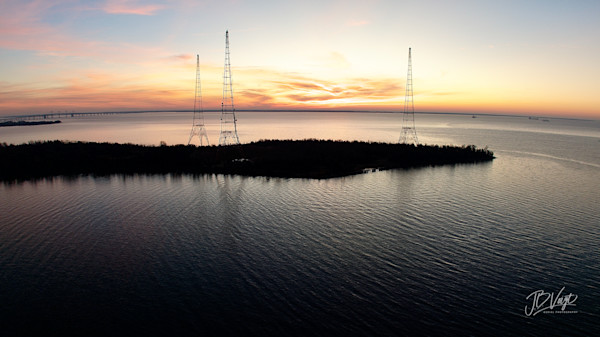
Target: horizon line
(8,117)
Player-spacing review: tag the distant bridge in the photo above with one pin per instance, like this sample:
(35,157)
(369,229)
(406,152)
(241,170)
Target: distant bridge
(66,114)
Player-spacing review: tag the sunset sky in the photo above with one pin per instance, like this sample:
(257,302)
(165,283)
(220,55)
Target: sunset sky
(515,57)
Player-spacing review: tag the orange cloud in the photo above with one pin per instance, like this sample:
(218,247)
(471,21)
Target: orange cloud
(256,98)
(86,98)
(349,91)
(93,91)
(171,86)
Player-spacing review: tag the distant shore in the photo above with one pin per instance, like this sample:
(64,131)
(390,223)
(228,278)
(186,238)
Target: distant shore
(27,123)
(272,158)
(457,113)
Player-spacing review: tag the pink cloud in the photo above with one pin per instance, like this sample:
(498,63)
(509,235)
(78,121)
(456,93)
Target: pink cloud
(22,18)
(22,27)
(88,96)
(130,7)
(179,58)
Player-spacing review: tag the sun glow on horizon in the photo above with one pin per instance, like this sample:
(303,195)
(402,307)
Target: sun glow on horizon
(137,55)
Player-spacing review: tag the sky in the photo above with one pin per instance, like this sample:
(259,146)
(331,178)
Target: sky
(510,57)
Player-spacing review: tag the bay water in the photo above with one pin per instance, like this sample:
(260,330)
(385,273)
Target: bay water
(453,250)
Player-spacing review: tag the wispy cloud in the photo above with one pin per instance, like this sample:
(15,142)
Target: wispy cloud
(131,7)
(23,27)
(89,97)
(178,58)
(294,90)
(376,89)
(21,18)
(260,88)
(257,98)
(299,91)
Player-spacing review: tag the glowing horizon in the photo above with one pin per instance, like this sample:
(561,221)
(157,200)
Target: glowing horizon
(538,58)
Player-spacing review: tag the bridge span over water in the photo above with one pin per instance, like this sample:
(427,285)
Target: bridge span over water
(66,114)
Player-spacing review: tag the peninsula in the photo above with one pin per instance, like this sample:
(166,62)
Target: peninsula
(309,158)
(27,123)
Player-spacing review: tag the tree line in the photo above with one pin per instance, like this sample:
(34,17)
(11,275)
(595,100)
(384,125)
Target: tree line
(308,158)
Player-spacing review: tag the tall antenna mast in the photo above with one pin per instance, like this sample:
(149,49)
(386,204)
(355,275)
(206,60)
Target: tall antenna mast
(229,134)
(198,122)
(408,134)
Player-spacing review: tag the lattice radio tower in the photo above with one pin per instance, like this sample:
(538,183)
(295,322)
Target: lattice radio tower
(229,134)
(408,134)
(198,123)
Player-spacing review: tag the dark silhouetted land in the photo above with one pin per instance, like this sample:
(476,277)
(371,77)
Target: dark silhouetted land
(27,123)
(273,158)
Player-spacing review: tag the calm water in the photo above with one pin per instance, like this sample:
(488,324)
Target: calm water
(454,250)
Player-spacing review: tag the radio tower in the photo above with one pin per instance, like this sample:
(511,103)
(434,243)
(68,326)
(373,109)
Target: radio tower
(229,134)
(198,123)
(408,134)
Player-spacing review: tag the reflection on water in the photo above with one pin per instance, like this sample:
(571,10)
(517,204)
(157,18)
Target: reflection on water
(438,250)
(174,128)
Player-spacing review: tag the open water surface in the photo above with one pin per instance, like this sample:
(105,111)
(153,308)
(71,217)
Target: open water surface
(452,250)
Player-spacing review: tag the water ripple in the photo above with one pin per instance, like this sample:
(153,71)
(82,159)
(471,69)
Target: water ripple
(435,250)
